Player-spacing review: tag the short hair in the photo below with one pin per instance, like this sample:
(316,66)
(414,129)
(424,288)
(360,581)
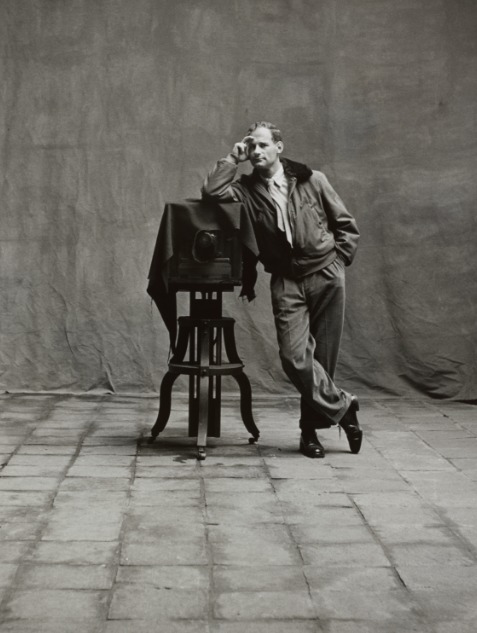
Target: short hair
(275,132)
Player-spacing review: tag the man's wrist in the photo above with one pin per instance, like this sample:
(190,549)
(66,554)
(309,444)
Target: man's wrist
(231,158)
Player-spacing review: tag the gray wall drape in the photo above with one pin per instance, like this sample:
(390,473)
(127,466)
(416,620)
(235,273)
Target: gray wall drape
(110,109)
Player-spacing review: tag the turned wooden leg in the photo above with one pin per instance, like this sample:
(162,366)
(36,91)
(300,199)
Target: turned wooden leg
(202,390)
(246,405)
(164,404)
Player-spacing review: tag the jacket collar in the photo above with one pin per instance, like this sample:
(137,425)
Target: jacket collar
(300,171)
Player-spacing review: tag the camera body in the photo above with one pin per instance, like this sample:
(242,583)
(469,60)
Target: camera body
(210,258)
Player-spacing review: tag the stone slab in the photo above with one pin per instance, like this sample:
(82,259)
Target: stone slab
(7,572)
(104,460)
(344,554)
(429,555)
(100,498)
(377,605)
(415,534)
(176,498)
(183,577)
(33,471)
(107,449)
(63,576)
(348,579)
(49,625)
(154,485)
(168,552)
(440,577)
(144,530)
(281,605)
(41,604)
(131,601)
(99,471)
(105,484)
(79,526)
(145,626)
(451,604)
(13,551)
(166,515)
(253,547)
(75,553)
(389,624)
(328,534)
(228,578)
(17,531)
(28,483)
(274,626)
(27,499)
(41,460)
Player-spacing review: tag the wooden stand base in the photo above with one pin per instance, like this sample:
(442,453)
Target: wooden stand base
(205,335)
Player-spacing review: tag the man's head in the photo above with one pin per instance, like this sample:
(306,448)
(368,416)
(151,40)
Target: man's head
(274,131)
(264,142)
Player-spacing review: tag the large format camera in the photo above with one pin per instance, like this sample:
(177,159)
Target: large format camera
(211,257)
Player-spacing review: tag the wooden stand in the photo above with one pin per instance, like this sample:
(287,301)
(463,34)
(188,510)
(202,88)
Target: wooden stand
(205,333)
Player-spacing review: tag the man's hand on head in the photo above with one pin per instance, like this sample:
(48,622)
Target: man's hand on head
(240,151)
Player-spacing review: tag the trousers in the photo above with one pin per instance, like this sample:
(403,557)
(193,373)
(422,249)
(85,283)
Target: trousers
(309,318)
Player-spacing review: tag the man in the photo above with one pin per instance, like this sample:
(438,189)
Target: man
(305,238)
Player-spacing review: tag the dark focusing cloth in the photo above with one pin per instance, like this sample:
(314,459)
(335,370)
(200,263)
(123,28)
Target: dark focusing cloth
(179,225)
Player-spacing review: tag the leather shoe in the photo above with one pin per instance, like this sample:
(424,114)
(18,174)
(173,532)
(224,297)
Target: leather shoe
(351,427)
(310,445)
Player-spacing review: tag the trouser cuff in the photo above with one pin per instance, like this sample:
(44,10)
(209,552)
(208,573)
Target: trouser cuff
(342,412)
(309,426)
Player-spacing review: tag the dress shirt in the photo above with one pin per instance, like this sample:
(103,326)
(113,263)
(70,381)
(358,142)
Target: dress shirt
(278,187)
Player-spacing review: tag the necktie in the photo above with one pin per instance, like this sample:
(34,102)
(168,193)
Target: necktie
(281,204)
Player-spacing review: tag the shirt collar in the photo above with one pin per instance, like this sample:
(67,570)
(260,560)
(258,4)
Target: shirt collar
(278,177)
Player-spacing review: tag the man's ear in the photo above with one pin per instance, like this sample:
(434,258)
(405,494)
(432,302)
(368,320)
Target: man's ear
(280,146)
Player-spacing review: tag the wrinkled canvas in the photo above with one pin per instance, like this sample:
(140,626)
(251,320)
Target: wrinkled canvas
(110,109)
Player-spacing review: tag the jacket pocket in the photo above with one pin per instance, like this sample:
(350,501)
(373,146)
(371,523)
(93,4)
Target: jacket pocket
(311,230)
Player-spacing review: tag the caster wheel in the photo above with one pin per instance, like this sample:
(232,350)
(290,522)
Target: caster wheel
(201,454)
(252,440)
(151,440)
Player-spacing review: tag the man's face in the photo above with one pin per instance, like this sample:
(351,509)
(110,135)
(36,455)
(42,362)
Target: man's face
(263,152)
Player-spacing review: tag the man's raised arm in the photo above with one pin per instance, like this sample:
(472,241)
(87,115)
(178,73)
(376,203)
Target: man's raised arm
(218,183)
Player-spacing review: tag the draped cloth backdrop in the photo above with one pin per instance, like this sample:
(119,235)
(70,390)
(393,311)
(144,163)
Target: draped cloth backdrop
(110,109)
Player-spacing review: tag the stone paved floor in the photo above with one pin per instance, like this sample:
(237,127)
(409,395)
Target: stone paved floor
(102,533)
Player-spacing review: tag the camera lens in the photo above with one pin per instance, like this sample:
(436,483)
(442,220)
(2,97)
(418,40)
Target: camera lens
(205,246)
